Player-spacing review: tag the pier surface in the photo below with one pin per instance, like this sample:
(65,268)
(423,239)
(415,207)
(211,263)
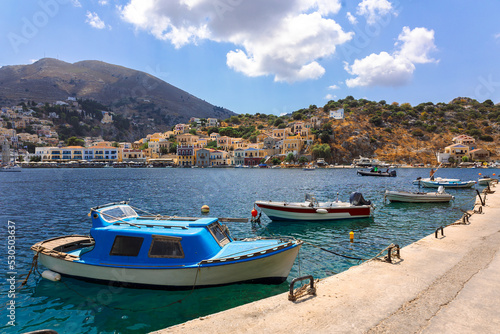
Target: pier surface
(448,284)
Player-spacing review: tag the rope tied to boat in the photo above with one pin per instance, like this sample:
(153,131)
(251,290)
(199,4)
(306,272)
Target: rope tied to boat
(34,264)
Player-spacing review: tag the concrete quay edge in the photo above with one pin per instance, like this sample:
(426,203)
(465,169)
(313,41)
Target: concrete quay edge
(449,284)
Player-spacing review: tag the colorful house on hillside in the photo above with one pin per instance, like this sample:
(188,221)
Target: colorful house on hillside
(480,154)
(218,158)
(457,151)
(291,145)
(464,140)
(203,157)
(253,156)
(239,157)
(185,156)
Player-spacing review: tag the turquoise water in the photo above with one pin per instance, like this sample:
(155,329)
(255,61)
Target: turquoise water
(46,203)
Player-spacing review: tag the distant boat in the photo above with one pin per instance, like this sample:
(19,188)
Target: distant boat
(311,209)
(377,173)
(367,162)
(165,252)
(11,168)
(418,197)
(309,168)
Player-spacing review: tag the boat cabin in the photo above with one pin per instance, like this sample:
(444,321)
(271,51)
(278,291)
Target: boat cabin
(122,237)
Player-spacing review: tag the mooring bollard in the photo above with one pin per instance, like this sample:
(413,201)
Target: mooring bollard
(442,231)
(311,290)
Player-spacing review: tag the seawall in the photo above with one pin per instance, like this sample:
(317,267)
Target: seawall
(448,284)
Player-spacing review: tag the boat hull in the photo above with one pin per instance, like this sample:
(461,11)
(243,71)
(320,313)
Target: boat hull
(284,212)
(379,174)
(273,268)
(407,197)
(450,184)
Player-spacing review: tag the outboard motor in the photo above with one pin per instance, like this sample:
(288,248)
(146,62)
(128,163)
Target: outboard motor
(440,190)
(393,173)
(357,199)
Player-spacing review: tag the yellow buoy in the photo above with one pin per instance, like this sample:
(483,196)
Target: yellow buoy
(205,209)
(351,236)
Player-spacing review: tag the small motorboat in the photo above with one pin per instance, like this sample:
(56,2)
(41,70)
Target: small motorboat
(447,184)
(486,180)
(418,197)
(374,172)
(165,252)
(440,179)
(311,209)
(309,168)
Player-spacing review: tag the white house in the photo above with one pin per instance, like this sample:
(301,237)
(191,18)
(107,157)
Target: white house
(337,114)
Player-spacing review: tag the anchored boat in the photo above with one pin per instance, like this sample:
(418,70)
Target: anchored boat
(165,252)
(311,209)
(447,184)
(418,197)
(372,172)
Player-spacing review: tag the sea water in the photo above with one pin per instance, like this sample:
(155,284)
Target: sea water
(39,204)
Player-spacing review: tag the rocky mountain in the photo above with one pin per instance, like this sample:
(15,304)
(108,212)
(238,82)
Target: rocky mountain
(130,93)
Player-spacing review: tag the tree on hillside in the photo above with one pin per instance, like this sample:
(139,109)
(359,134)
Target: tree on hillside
(74,141)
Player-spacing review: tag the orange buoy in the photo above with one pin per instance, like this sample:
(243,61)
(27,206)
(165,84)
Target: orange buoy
(254,213)
(205,209)
(351,236)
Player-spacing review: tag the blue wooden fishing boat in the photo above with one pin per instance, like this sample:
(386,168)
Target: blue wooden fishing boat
(165,252)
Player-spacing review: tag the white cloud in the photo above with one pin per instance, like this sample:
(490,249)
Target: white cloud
(284,39)
(416,44)
(103,2)
(95,21)
(373,9)
(351,18)
(330,97)
(395,69)
(333,87)
(76,3)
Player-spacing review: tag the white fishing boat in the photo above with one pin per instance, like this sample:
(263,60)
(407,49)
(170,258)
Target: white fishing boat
(418,197)
(447,184)
(311,209)
(439,179)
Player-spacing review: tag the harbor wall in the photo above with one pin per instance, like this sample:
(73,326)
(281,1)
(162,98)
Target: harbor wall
(447,283)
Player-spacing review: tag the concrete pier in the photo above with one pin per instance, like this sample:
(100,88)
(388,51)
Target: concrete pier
(448,284)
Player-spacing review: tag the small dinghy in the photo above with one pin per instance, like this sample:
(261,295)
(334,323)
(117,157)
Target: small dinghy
(165,252)
(411,197)
(311,209)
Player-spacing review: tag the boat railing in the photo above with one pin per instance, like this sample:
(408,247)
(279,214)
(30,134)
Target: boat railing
(139,225)
(109,204)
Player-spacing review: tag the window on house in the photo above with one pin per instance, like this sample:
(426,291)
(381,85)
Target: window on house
(126,246)
(169,247)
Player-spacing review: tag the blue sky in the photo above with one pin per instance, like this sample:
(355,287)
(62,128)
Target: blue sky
(273,56)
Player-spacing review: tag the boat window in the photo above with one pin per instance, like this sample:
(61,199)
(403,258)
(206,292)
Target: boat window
(126,246)
(163,246)
(218,233)
(118,212)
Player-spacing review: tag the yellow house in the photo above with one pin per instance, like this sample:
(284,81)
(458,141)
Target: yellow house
(457,151)
(187,139)
(291,145)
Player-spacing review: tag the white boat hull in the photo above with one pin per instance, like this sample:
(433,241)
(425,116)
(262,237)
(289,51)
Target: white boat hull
(273,268)
(448,184)
(294,211)
(407,197)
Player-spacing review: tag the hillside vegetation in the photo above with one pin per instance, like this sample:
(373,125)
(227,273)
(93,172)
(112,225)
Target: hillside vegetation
(394,132)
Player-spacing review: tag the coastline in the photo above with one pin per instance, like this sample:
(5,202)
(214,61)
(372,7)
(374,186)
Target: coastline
(443,284)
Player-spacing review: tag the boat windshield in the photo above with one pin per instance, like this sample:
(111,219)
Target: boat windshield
(117,212)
